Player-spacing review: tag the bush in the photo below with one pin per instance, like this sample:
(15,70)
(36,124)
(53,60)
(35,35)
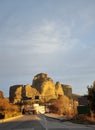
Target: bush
(2,116)
(53,108)
(8,109)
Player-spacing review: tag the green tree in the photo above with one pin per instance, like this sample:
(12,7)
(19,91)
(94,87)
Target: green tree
(91,96)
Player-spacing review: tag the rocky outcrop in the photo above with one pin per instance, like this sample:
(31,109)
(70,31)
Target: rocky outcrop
(19,92)
(30,91)
(45,86)
(40,79)
(15,93)
(67,90)
(42,86)
(58,89)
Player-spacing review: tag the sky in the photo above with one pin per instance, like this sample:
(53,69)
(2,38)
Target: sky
(56,37)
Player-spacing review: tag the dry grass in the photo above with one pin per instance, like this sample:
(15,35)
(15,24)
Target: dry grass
(84,120)
(8,110)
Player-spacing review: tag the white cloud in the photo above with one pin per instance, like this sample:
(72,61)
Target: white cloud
(51,39)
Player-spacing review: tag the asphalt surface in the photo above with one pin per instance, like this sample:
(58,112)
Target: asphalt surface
(41,122)
(27,122)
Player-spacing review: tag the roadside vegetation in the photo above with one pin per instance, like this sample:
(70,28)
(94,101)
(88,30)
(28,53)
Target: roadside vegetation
(6,109)
(68,107)
(64,106)
(88,119)
(91,98)
(83,119)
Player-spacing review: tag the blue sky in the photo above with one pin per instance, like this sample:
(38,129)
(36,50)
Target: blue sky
(56,37)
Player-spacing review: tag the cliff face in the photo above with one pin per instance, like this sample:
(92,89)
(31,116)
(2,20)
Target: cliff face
(18,92)
(45,86)
(30,91)
(67,90)
(15,93)
(42,86)
(58,89)
(39,81)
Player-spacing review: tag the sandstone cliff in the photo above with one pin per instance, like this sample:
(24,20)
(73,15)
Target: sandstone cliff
(45,86)
(15,93)
(19,92)
(67,90)
(58,89)
(42,86)
(30,91)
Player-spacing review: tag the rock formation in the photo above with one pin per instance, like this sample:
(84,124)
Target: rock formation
(42,86)
(67,90)
(19,92)
(45,86)
(58,89)
(30,91)
(15,93)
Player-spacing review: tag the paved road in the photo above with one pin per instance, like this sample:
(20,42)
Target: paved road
(40,122)
(27,122)
(53,124)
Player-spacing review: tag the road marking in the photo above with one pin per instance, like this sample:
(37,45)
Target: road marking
(44,120)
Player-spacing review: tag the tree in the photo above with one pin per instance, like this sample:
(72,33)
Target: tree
(1,94)
(91,97)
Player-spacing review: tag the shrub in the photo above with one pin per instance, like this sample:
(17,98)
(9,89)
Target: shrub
(7,109)
(2,116)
